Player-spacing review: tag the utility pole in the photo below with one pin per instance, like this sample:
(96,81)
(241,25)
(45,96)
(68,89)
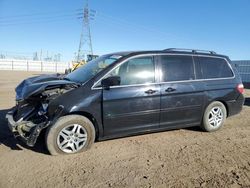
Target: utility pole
(85,45)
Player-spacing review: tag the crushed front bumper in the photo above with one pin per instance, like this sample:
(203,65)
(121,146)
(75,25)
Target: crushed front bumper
(27,131)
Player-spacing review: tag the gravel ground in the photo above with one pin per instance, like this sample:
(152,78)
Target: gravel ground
(179,158)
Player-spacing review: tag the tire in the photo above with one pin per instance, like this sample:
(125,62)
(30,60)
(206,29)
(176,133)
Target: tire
(214,117)
(70,134)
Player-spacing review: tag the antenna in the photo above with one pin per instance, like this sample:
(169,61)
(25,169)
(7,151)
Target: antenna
(85,45)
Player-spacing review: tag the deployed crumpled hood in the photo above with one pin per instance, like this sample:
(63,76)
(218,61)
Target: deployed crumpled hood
(38,84)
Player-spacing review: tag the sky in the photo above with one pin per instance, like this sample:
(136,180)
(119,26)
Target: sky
(52,25)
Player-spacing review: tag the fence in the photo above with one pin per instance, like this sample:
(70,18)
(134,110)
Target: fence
(243,68)
(28,65)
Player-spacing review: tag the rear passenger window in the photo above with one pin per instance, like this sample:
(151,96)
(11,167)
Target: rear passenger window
(214,68)
(177,68)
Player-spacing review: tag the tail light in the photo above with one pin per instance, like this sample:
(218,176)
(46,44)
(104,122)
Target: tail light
(240,88)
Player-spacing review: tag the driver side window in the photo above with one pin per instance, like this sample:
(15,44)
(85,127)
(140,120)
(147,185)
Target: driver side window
(136,71)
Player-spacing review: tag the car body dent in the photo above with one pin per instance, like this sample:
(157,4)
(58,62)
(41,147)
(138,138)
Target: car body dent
(38,84)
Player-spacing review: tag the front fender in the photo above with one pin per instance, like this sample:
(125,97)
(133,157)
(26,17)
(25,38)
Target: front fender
(80,101)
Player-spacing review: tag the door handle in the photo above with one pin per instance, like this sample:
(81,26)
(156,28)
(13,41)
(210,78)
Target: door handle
(170,89)
(150,91)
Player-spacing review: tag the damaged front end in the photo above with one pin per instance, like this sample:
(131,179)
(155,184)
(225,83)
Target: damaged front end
(30,115)
(26,120)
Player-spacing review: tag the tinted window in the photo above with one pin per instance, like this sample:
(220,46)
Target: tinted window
(136,71)
(177,68)
(214,68)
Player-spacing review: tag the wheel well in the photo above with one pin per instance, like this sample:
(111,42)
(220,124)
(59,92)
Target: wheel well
(226,106)
(90,117)
(223,102)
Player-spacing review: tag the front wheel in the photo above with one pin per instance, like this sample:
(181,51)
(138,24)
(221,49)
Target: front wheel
(70,134)
(214,117)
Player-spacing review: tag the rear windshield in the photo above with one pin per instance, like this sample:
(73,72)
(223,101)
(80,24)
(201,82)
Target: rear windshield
(215,68)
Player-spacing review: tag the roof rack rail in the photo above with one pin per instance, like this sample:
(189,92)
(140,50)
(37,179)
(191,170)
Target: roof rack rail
(189,50)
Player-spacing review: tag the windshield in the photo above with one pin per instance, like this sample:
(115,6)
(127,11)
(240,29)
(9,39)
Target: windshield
(93,67)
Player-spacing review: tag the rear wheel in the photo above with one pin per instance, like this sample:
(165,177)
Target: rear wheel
(70,134)
(214,117)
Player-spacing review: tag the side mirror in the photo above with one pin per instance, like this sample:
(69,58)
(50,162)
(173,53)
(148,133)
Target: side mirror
(111,81)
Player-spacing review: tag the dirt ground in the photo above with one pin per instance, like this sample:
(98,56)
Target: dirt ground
(179,158)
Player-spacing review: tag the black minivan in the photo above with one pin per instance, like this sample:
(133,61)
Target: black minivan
(127,93)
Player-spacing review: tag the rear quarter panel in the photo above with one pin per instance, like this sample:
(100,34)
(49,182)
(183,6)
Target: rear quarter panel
(224,90)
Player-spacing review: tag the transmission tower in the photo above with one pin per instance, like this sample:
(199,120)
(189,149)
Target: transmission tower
(85,45)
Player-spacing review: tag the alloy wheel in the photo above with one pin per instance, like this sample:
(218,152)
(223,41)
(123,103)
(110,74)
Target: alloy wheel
(215,117)
(72,138)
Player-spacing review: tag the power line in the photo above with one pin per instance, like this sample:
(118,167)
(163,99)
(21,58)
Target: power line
(61,19)
(39,20)
(46,56)
(135,27)
(40,17)
(39,13)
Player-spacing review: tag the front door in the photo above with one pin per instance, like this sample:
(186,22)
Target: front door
(134,105)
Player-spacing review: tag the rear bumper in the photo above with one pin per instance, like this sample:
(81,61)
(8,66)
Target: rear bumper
(27,131)
(235,106)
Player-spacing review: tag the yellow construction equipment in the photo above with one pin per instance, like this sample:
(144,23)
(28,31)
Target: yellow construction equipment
(75,65)
(78,64)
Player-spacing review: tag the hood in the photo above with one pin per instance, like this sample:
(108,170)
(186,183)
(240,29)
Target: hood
(38,84)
